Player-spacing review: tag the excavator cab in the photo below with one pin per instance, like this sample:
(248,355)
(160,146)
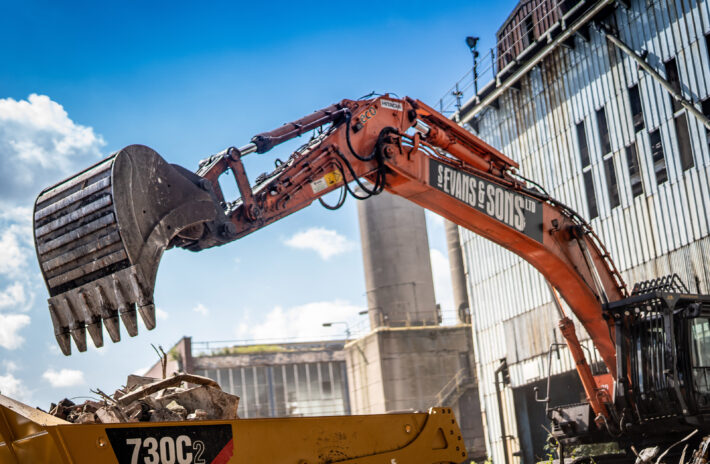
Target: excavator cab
(663,344)
(99,237)
(670,353)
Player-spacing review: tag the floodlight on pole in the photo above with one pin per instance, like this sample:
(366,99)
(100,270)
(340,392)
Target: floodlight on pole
(472,43)
(347,327)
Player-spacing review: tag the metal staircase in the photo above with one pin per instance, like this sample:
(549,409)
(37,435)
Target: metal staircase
(455,387)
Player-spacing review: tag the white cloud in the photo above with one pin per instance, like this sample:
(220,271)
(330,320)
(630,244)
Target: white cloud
(12,386)
(20,214)
(161,314)
(10,325)
(10,366)
(201,309)
(12,257)
(304,321)
(64,377)
(13,297)
(325,242)
(441,272)
(40,144)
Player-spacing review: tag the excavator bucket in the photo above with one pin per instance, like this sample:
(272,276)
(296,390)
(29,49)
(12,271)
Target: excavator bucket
(100,235)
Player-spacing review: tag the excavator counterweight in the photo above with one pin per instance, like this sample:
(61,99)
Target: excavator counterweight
(100,235)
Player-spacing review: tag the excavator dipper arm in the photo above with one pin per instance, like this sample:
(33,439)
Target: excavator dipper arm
(399,145)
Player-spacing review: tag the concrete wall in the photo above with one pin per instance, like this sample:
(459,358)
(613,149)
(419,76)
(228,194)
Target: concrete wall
(393,369)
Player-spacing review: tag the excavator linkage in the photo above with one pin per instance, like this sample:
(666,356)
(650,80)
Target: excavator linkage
(99,237)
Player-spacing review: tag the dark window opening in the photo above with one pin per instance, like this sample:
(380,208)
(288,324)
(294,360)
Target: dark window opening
(611,183)
(632,160)
(591,198)
(603,131)
(684,149)
(674,80)
(706,112)
(659,160)
(700,354)
(583,147)
(529,29)
(636,109)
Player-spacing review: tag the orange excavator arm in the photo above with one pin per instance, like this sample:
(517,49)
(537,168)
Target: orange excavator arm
(407,148)
(383,143)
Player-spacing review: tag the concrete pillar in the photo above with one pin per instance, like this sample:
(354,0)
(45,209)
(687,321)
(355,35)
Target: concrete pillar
(458,277)
(398,276)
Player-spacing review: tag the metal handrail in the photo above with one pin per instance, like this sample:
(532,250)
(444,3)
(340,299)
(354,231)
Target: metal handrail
(452,385)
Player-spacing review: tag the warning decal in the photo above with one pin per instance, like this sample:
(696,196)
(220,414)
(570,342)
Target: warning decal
(193,444)
(326,181)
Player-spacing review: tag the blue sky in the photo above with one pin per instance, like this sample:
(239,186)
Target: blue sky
(189,81)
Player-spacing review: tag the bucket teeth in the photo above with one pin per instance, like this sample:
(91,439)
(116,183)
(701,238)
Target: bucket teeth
(92,317)
(96,333)
(146,308)
(129,319)
(108,314)
(147,313)
(113,327)
(78,333)
(126,309)
(64,342)
(61,329)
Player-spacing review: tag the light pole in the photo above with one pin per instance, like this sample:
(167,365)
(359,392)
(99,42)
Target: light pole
(347,327)
(472,43)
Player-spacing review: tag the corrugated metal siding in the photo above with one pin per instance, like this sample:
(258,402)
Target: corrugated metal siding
(662,231)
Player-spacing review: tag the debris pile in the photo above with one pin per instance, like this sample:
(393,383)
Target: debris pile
(183,397)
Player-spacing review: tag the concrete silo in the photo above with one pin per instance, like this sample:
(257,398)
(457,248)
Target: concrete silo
(398,276)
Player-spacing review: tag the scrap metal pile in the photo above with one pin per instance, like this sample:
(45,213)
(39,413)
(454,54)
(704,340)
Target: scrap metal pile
(145,399)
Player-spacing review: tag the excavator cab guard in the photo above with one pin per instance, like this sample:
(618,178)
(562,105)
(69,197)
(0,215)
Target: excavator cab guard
(664,347)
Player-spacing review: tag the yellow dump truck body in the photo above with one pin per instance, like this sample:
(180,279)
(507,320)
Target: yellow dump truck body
(28,435)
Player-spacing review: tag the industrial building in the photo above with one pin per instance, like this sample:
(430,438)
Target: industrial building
(272,380)
(601,103)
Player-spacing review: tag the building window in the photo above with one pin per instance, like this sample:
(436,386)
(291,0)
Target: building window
(603,131)
(591,198)
(636,109)
(587,170)
(611,182)
(632,161)
(674,80)
(583,147)
(684,149)
(529,29)
(659,160)
(706,112)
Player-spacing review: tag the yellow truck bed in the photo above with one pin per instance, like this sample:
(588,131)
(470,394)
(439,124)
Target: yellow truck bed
(30,436)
